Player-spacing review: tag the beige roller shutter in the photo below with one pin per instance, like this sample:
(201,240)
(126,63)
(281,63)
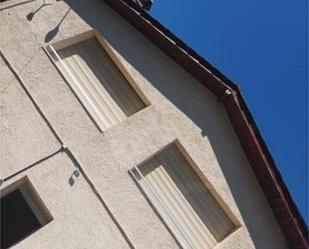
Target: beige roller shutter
(183,201)
(99,84)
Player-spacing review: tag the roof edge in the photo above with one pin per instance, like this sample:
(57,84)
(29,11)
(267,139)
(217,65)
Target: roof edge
(286,212)
(284,208)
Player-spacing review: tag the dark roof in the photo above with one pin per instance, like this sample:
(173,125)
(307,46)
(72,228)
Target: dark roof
(288,216)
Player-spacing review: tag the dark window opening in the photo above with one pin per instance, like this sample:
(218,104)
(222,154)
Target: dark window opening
(20,215)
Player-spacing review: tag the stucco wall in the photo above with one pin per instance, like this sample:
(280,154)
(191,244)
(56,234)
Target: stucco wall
(25,138)
(79,220)
(181,108)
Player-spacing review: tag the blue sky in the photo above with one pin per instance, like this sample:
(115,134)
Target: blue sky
(262,46)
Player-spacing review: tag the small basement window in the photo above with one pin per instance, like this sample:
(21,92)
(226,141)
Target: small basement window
(95,78)
(190,210)
(22,212)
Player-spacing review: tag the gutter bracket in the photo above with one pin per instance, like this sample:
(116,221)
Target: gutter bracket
(226,93)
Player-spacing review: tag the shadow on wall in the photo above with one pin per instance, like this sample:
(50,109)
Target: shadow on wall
(73,177)
(199,105)
(53,32)
(31,14)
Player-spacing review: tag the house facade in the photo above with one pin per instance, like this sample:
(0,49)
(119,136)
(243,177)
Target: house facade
(115,135)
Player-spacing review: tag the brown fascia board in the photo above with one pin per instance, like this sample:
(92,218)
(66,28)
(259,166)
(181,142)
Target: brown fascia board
(288,216)
(291,222)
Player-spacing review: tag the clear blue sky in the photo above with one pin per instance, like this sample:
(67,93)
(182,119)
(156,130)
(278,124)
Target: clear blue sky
(262,46)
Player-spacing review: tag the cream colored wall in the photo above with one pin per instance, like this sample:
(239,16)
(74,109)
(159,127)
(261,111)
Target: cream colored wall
(25,138)
(181,108)
(79,220)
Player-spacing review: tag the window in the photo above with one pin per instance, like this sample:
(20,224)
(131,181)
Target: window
(186,205)
(22,213)
(94,77)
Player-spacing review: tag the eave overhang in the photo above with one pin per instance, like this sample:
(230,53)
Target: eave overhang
(284,209)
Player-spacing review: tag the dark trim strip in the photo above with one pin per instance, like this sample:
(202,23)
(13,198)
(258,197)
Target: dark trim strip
(172,46)
(36,106)
(31,165)
(288,216)
(267,174)
(99,197)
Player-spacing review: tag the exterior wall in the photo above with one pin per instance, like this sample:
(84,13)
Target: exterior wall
(79,220)
(25,138)
(181,108)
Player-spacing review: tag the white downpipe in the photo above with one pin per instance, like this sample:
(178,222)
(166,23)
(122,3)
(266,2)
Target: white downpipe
(155,198)
(97,116)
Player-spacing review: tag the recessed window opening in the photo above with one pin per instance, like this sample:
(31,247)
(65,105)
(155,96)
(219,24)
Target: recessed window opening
(96,80)
(187,206)
(22,213)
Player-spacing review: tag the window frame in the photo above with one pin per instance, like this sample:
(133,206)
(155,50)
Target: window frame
(205,182)
(32,199)
(51,51)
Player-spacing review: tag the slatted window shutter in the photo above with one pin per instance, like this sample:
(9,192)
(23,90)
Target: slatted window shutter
(96,80)
(187,206)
